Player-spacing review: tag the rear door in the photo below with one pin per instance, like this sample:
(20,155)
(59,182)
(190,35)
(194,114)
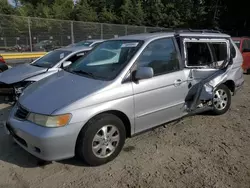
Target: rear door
(204,56)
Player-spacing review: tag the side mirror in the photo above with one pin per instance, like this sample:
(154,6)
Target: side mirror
(246,50)
(65,64)
(144,73)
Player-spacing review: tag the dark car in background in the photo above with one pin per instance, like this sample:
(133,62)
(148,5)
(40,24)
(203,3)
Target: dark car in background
(18,48)
(243,43)
(46,45)
(42,46)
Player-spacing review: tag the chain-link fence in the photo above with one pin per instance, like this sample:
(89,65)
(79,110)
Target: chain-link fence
(39,34)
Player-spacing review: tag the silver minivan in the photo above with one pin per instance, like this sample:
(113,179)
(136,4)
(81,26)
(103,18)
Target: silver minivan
(123,87)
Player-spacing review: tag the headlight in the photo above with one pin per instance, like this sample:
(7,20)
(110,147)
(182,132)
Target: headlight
(49,121)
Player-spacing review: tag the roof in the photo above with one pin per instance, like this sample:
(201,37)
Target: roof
(145,36)
(75,48)
(148,36)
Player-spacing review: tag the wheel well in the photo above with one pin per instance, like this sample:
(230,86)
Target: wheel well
(124,119)
(231,85)
(122,116)
(119,114)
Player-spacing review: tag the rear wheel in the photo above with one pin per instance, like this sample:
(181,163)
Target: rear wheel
(101,140)
(221,100)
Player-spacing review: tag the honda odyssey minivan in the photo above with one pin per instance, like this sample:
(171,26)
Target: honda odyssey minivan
(123,87)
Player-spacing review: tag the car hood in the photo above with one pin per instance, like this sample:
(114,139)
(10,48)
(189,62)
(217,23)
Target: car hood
(57,91)
(20,72)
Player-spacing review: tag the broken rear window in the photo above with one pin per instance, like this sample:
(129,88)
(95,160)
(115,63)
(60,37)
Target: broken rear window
(219,51)
(198,54)
(206,54)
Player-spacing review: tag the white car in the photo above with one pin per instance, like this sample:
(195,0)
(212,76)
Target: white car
(13,81)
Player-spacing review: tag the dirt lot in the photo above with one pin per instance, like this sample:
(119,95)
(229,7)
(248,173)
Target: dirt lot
(200,151)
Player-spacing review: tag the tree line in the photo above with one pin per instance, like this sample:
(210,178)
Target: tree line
(225,14)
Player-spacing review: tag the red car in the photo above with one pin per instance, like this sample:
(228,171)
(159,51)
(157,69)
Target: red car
(1,59)
(243,43)
(3,65)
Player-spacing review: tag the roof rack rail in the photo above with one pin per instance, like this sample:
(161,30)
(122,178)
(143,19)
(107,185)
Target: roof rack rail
(162,30)
(200,30)
(179,30)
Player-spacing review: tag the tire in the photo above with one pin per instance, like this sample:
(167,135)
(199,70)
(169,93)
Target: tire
(91,145)
(221,100)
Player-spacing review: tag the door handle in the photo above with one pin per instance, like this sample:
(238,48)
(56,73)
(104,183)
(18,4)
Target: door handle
(177,82)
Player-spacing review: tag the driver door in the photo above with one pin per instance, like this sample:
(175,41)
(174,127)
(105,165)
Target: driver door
(161,98)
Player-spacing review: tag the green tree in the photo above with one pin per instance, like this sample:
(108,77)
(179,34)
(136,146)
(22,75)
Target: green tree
(26,10)
(170,16)
(62,9)
(154,12)
(84,12)
(36,2)
(42,11)
(139,15)
(126,14)
(107,16)
(5,7)
(98,5)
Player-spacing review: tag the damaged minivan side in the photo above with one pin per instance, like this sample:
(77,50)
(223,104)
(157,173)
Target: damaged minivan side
(208,61)
(123,87)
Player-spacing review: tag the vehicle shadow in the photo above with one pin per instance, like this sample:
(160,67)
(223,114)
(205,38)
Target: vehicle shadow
(206,113)
(75,161)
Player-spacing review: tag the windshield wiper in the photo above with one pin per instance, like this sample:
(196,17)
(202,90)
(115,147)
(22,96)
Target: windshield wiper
(84,73)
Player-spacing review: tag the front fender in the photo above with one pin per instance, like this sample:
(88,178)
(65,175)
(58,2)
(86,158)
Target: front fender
(124,105)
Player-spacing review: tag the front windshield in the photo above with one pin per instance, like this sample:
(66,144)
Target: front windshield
(106,60)
(237,42)
(51,59)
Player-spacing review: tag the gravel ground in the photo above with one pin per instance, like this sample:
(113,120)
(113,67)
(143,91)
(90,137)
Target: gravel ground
(199,151)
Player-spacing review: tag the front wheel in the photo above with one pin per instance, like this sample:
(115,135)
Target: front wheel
(221,100)
(101,140)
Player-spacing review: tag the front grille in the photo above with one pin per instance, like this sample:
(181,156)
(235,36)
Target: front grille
(21,113)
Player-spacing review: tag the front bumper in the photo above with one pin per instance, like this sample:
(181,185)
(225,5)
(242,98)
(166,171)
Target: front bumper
(13,91)
(48,144)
